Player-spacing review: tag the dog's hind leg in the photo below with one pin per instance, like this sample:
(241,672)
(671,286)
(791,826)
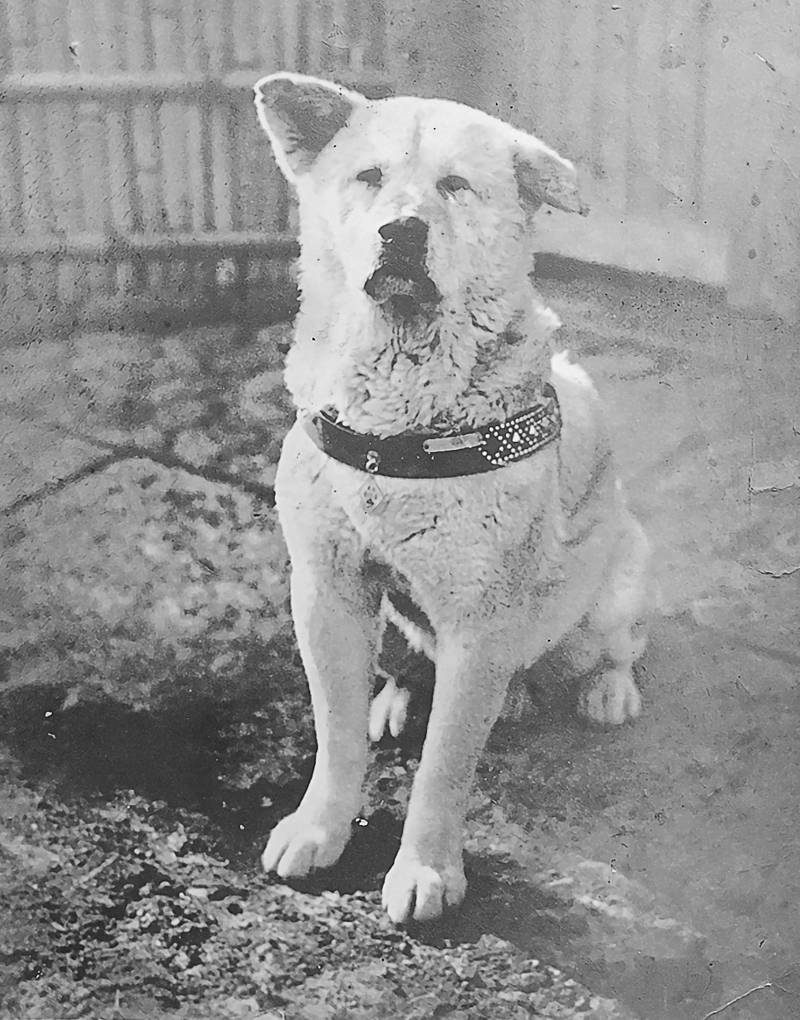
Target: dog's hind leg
(389,708)
(613,635)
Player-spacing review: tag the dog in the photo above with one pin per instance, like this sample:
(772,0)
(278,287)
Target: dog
(446,470)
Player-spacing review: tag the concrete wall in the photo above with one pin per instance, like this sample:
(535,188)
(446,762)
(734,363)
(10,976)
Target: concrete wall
(682,115)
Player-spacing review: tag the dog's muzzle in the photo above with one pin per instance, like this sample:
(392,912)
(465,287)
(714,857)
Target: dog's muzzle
(401,281)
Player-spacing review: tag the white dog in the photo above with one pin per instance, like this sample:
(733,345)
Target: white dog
(441,471)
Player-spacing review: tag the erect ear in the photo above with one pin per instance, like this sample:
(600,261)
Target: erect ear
(545,177)
(301,115)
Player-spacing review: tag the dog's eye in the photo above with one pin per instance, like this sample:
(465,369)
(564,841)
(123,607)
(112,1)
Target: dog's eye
(373,177)
(451,184)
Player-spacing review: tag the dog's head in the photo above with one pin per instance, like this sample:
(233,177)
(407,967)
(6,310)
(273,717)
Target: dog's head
(420,205)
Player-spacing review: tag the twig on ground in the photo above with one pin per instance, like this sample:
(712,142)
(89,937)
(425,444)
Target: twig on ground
(780,573)
(744,995)
(132,451)
(100,867)
(51,488)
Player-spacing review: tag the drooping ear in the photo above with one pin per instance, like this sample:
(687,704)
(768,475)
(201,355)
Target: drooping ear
(544,177)
(301,115)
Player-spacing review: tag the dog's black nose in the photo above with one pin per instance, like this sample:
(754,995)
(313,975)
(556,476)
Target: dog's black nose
(405,240)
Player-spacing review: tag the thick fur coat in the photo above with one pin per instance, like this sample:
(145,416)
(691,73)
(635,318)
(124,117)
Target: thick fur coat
(418,316)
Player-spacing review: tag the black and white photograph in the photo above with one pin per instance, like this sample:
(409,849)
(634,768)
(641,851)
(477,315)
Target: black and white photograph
(399,509)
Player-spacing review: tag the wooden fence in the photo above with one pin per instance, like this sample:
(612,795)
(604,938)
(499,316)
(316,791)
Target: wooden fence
(131,161)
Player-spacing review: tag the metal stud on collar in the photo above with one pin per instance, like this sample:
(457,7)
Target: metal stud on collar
(520,437)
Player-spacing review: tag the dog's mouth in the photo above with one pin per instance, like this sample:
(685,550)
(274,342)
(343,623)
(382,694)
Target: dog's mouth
(404,292)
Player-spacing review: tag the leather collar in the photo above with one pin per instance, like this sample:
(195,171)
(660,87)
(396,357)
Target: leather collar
(433,455)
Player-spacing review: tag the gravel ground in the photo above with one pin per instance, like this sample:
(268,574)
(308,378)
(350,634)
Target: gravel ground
(157,724)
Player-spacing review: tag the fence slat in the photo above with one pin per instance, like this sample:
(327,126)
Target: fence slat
(7,203)
(51,29)
(276,28)
(246,32)
(214,17)
(221,171)
(135,28)
(12,184)
(22,36)
(234,147)
(702,19)
(643,97)
(675,112)
(67,198)
(610,84)
(11,198)
(146,161)
(576,103)
(36,196)
(38,204)
(289,10)
(320,27)
(545,51)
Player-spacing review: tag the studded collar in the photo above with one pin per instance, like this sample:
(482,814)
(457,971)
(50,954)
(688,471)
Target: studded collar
(432,455)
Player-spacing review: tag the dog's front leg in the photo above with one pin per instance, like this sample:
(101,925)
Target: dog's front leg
(337,641)
(471,682)
(337,627)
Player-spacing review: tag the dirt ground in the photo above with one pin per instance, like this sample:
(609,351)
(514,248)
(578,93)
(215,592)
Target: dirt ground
(704,810)
(658,864)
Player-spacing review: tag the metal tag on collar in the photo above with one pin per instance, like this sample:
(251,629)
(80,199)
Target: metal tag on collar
(372,497)
(449,443)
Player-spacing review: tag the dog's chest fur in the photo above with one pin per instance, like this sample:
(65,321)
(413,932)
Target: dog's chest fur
(502,541)
(447,375)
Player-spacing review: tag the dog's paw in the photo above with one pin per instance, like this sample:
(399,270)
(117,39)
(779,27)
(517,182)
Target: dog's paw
(415,890)
(299,844)
(612,698)
(388,710)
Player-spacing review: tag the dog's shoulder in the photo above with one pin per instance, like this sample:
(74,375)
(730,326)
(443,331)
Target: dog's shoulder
(585,449)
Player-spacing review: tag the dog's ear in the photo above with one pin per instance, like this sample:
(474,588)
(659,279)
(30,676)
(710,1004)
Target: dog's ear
(544,177)
(301,115)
